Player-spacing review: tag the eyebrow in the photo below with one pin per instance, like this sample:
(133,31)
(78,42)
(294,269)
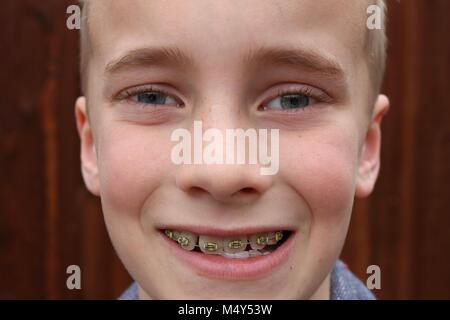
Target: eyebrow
(296,57)
(143,57)
(306,58)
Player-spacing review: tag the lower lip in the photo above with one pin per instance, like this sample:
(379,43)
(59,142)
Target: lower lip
(215,266)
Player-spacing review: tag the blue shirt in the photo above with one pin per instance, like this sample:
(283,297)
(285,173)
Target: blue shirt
(343,286)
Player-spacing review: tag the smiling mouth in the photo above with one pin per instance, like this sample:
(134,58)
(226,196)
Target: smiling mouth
(235,247)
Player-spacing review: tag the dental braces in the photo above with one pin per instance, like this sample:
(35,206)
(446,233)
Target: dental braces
(233,244)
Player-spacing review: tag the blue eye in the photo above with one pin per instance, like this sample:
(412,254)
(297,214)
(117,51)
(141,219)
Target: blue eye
(149,96)
(291,102)
(154,98)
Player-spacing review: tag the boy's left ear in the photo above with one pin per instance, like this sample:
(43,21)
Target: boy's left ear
(369,162)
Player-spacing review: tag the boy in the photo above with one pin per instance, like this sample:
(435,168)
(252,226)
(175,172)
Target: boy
(310,69)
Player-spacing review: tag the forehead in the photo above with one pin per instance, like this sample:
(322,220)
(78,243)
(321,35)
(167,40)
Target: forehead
(225,29)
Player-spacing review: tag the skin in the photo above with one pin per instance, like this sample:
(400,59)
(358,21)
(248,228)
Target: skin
(329,151)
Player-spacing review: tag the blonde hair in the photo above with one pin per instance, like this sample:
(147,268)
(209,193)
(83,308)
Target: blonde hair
(375,46)
(85,44)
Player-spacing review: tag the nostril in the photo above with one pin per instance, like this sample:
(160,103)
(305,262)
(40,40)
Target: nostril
(248,190)
(197,191)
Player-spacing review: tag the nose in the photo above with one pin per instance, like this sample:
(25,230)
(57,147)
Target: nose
(225,183)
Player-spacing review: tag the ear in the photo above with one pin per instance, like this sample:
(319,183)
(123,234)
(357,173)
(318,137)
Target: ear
(89,168)
(369,162)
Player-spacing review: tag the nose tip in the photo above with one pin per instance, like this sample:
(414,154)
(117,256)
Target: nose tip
(224,184)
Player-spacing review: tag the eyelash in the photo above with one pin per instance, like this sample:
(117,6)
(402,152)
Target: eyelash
(130,93)
(306,91)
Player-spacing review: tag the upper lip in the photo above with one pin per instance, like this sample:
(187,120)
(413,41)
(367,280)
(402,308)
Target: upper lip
(214,231)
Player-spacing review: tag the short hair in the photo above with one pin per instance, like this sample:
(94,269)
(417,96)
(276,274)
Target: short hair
(375,46)
(85,44)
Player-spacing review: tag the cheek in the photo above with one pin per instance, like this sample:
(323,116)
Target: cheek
(132,163)
(321,167)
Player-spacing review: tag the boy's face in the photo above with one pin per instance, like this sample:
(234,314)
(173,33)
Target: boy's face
(236,60)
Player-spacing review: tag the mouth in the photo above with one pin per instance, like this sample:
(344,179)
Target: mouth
(238,256)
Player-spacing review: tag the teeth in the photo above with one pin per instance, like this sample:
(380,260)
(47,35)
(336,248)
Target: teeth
(187,240)
(258,241)
(278,236)
(169,233)
(254,253)
(236,255)
(230,247)
(210,245)
(274,237)
(235,244)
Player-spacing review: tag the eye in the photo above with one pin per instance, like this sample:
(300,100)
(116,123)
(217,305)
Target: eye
(155,98)
(295,99)
(150,96)
(291,101)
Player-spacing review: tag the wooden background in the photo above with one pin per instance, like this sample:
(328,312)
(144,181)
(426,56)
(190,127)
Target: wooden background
(49,221)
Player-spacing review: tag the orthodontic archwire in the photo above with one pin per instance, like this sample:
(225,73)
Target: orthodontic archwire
(234,244)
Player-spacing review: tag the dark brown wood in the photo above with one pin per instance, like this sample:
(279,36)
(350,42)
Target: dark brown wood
(49,221)
(404,226)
